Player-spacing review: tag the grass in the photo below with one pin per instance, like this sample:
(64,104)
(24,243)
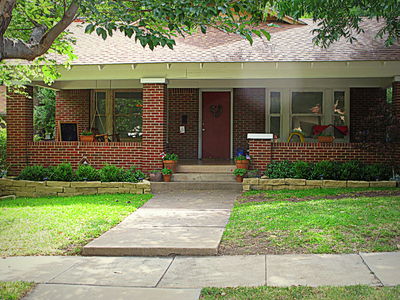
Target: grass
(271,223)
(61,225)
(261,293)
(14,290)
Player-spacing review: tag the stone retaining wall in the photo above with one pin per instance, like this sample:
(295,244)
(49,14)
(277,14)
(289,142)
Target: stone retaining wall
(26,188)
(301,184)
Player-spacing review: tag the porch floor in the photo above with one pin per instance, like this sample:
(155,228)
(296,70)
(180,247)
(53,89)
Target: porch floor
(206,162)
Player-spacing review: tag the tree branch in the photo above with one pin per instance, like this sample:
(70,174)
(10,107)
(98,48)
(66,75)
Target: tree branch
(41,40)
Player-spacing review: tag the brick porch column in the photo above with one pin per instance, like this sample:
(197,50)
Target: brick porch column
(154,137)
(396,96)
(19,130)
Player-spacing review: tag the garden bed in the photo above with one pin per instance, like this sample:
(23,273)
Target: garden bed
(299,184)
(27,188)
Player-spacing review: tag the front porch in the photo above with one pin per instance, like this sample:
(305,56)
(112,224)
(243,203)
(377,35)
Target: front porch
(196,125)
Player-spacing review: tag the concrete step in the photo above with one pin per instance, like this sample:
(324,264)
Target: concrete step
(205,168)
(203,177)
(160,187)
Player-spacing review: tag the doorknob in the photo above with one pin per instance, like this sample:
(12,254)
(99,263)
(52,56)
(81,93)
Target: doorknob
(203,129)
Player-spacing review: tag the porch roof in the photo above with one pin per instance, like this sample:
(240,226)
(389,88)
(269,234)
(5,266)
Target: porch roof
(289,42)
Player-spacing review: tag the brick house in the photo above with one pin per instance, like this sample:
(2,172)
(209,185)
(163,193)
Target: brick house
(202,99)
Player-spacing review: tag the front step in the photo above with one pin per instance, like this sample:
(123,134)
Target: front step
(160,187)
(205,168)
(203,177)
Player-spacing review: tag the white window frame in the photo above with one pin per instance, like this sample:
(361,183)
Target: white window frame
(268,113)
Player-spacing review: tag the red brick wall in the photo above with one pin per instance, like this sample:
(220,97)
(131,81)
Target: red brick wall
(154,137)
(73,106)
(396,98)
(19,130)
(364,102)
(183,102)
(263,152)
(248,115)
(53,153)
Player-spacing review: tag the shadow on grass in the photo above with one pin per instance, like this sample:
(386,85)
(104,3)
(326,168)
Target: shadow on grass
(106,199)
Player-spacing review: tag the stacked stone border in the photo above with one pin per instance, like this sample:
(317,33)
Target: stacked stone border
(26,188)
(302,184)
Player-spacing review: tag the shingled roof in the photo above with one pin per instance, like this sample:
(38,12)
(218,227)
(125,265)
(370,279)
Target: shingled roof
(288,43)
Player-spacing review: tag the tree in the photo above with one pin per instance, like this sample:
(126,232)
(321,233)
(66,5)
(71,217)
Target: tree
(31,28)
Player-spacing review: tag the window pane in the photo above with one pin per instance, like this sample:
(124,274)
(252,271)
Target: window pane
(100,125)
(338,103)
(128,127)
(275,126)
(128,102)
(307,102)
(100,103)
(305,124)
(275,103)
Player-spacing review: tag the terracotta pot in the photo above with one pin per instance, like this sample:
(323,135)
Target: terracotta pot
(239,178)
(156,177)
(87,138)
(325,139)
(170,164)
(242,164)
(167,178)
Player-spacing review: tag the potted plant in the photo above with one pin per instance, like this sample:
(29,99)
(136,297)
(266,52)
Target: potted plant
(155,175)
(242,161)
(87,136)
(239,173)
(167,173)
(170,161)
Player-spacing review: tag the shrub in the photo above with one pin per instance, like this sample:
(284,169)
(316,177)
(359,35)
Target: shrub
(302,169)
(280,169)
(135,175)
(35,173)
(253,173)
(110,173)
(87,173)
(325,170)
(351,170)
(61,172)
(377,172)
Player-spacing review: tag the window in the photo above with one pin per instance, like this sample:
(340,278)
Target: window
(307,111)
(339,112)
(274,113)
(118,114)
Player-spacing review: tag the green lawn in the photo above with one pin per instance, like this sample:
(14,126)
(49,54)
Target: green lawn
(314,221)
(14,290)
(54,226)
(339,293)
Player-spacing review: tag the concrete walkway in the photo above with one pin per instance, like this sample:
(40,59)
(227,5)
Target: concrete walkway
(183,277)
(172,223)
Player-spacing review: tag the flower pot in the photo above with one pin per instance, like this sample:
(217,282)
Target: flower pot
(242,164)
(156,177)
(239,178)
(87,138)
(325,139)
(167,178)
(170,164)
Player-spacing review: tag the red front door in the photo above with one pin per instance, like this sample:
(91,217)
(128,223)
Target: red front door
(216,125)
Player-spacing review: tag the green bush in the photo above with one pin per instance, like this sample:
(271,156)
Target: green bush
(35,173)
(110,173)
(280,169)
(302,169)
(135,175)
(351,170)
(87,173)
(377,172)
(325,169)
(61,172)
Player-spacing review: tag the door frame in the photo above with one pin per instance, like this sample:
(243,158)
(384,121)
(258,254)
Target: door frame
(200,132)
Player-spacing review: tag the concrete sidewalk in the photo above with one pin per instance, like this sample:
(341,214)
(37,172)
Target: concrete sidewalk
(183,277)
(171,223)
